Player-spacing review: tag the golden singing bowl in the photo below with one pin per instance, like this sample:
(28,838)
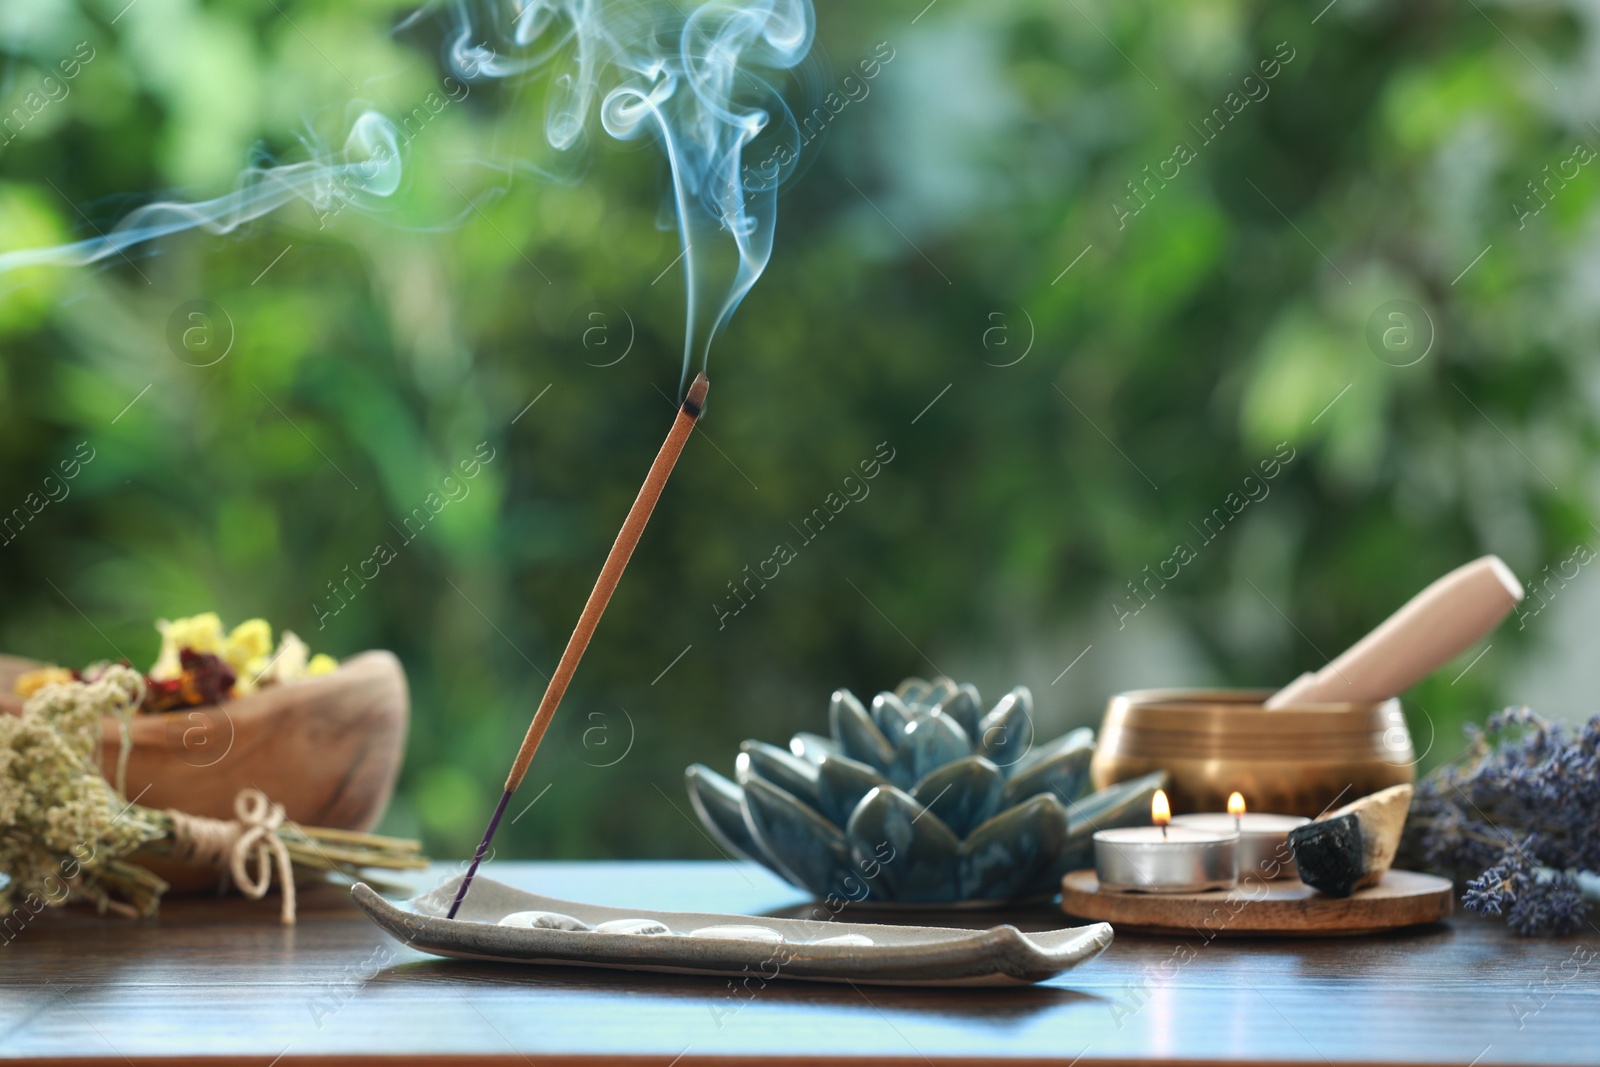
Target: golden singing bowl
(1293,760)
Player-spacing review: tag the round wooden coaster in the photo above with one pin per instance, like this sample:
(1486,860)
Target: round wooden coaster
(1282,908)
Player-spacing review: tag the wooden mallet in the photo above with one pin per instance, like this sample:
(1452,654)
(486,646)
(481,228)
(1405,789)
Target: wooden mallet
(610,574)
(1429,630)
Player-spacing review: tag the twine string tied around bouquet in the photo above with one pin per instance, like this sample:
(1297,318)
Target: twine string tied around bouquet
(252,834)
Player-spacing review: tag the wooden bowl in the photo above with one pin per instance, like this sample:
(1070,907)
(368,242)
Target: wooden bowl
(328,749)
(1292,761)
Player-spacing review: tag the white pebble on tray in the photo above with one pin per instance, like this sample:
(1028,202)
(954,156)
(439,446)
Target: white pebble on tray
(543,920)
(633,926)
(732,932)
(854,940)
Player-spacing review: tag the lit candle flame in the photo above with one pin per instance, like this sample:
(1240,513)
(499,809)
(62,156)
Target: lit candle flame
(1236,804)
(1160,810)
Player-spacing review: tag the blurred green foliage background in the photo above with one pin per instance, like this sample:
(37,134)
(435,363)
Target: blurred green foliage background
(1068,388)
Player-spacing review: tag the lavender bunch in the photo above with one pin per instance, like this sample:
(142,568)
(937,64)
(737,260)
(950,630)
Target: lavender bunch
(1516,818)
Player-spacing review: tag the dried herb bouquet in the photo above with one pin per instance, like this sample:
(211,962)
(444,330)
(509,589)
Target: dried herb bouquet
(1516,818)
(66,833)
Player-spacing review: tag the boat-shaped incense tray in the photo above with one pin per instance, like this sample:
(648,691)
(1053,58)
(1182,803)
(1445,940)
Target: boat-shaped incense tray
(500,923)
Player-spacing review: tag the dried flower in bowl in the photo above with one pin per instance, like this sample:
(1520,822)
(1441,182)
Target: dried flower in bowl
(67,833)
(201,663)
(246,650)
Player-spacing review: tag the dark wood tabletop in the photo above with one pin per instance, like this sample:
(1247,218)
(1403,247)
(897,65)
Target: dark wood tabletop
(220,981)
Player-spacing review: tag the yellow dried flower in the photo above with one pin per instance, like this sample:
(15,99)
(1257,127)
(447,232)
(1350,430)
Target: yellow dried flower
(31,682)
(202,633)
(289,662)
(250,644)
(249,652)
(293,661)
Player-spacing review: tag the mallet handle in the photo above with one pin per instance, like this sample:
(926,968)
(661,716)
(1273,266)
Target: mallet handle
(1432,628)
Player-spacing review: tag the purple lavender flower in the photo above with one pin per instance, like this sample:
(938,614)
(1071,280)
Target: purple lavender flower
(1516,818)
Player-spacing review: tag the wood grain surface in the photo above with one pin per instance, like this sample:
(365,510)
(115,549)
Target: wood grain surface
(220,982)
(1283,908)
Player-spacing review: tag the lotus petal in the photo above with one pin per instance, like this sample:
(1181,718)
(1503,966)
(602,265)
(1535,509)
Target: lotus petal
(784,770)
(940,690)
(1006,733)
(966,708)
(963,793)
(890,715)
(841,783)
(720,805)
(1123,804)
(852,728)
(1075,739)
(1061,770)
(813,746)
(902,850)
(809,850)
(913,690)
(927,743)
(1010,851)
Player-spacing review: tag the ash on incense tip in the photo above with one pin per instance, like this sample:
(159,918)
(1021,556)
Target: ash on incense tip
(694,402)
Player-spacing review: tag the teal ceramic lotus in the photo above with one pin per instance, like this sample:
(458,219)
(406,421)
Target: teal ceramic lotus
(923,797)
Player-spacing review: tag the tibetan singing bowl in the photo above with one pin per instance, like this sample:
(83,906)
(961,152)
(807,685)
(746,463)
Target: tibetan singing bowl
(1293,761)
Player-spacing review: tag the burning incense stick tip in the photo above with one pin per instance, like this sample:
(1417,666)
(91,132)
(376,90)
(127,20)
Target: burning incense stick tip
(695,401)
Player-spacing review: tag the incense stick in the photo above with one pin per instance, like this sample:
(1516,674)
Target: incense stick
(604,586)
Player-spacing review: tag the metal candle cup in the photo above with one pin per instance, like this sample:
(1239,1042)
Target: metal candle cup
(1183,860)
(1263,839)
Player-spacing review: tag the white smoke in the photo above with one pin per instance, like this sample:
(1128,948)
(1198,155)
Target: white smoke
(693,77)
(690,79)
(368,166)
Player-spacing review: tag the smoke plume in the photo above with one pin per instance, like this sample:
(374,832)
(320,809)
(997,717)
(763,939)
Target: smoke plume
(695,78)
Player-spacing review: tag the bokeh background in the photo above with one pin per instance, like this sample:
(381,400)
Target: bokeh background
(1068,387)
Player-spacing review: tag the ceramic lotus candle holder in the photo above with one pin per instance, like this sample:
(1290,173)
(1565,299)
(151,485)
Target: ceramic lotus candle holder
(921,798)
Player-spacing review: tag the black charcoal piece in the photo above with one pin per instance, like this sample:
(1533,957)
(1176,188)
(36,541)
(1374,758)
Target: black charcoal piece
(1330,854)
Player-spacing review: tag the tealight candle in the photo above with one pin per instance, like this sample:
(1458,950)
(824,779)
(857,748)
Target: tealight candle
(1263,839)
(1163,858)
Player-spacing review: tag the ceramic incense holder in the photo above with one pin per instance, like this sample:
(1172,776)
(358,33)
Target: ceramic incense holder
(498,922)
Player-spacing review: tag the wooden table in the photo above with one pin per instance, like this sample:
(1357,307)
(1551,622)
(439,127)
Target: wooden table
(219,981)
